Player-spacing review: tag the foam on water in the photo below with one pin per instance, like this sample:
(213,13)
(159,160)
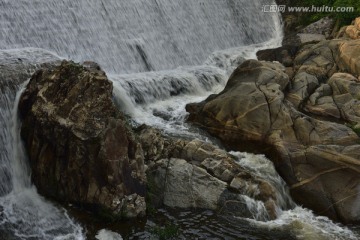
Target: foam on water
(307,226)
(159,98)
(301,221)
(261,166)
(105,234)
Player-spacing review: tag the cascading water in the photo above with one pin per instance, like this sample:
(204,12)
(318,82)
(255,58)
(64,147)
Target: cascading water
(128,39)
(23,213)
(137,35)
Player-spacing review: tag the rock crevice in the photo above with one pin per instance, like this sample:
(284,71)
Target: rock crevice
(309,149)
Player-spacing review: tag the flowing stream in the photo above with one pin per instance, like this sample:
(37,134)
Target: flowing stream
(160,55)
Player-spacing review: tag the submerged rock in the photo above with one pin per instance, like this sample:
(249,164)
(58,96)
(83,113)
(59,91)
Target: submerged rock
(261,110)
(81,149)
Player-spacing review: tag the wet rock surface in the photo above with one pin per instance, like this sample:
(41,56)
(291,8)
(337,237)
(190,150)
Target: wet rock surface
(194,174)
(80,147)
(299,121)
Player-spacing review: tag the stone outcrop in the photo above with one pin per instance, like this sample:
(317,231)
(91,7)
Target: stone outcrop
(322,27)
(353,31)
(313,65)
(349,57)
(262,110)
(194,174)
(338,98)
(249,105)
(80,147)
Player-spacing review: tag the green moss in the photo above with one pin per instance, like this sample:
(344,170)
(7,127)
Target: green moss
(355,127)
(167,232)
(356,130)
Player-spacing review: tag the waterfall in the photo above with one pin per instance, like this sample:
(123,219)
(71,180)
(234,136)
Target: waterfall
(138,35)
(160,55)
(23,213)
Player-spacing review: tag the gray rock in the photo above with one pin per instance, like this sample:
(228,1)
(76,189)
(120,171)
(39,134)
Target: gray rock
(338,98)
(189,186)
(308,37)
(194,174)
(323,26)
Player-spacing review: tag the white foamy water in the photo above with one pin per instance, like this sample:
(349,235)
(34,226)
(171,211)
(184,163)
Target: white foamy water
(307,226)
(302,222)
(105,234)
(24,214)
(135,36)
(261,166)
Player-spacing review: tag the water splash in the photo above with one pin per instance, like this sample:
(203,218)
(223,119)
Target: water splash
(105,234)
(261,166)
(307,226)
(24,215)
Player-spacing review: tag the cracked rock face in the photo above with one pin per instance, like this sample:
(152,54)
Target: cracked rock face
(251,104)
(81,149)
(261,110)
(194,174)
(339,98)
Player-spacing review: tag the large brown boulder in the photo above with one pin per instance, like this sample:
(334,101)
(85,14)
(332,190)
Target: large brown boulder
(249,105)
(317,158)
(81,149)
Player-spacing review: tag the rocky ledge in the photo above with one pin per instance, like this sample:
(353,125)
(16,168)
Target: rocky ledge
(80,147)
(194,174)
(304,117)
(82,151)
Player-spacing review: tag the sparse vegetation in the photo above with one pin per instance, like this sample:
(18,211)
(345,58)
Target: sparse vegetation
(169,231)
(356,129)
(344,18)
